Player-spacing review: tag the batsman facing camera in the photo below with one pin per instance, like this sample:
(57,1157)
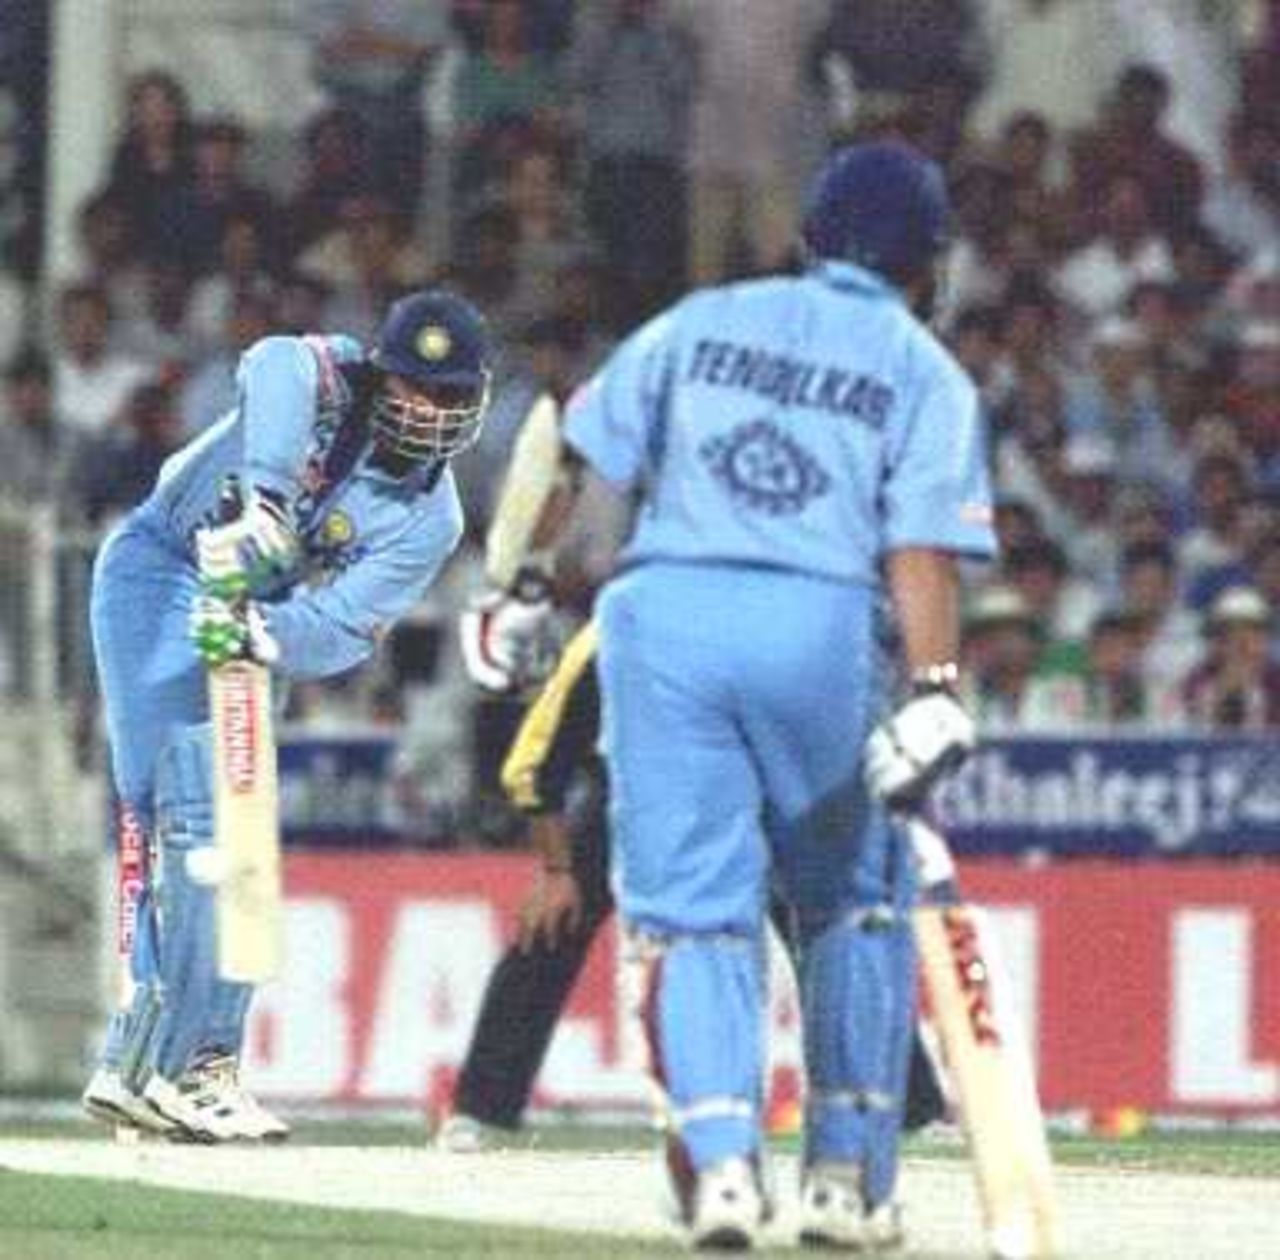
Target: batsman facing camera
(433,350)
(331,465)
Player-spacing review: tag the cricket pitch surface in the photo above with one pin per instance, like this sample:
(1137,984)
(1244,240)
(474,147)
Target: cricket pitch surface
(1119,1215)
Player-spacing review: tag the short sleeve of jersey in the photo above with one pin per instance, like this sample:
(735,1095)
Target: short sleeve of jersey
(277,380)
(938,487)
(615,421)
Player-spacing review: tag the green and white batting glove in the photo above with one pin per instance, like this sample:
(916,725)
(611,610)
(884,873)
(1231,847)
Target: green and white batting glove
(252,552)
(224,630)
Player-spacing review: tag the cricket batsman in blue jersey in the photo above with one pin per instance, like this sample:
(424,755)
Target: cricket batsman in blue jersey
(777,654)
(330,482)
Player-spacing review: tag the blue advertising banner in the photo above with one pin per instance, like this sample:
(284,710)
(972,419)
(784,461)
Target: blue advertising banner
(1144,796)
(338,791)
(1157,796)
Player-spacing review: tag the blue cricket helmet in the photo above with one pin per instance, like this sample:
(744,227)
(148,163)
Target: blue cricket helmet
(882,205)
(440,345)
(435,337)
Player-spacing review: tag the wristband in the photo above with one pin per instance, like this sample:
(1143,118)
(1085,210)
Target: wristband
(943,676)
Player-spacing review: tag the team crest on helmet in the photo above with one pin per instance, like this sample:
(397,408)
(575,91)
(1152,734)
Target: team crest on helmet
(433,343)
(766,469)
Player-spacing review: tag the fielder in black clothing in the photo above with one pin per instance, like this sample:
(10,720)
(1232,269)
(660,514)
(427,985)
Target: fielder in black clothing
(554,775)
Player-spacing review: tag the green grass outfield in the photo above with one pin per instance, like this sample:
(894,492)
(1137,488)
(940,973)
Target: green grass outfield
(69,1217)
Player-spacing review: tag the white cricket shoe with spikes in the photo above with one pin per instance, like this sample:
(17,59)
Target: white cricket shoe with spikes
(728,1207)
(109,1099)
(833,1218)
(210,1105)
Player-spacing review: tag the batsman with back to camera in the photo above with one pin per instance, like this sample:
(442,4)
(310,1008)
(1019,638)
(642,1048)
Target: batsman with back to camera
(553,773)
(810,467)
(330,483)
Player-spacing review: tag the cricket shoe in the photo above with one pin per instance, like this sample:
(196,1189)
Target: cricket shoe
(461,1134)
(109,1099)
(833,1217)
(728,1207)
(209,1105)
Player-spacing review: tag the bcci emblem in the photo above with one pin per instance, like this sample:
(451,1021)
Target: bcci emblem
(765,469)
(434,343)
(337,529)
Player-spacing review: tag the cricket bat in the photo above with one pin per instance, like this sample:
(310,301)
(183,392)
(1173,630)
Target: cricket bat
(985,1053)
(533,474)
(246,865)
(246,823)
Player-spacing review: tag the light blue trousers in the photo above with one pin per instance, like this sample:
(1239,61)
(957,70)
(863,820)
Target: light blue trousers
(737,702)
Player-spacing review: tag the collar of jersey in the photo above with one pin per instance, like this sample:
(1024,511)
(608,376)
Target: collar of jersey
(848,277)
(412,484)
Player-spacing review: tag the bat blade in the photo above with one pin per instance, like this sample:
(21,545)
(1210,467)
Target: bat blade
(246,823)
(986,1055)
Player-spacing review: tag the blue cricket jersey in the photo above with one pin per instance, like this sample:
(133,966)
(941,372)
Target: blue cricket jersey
(371,542)
(810,423)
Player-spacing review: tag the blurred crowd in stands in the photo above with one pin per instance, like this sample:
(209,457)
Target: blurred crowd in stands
(1114,288)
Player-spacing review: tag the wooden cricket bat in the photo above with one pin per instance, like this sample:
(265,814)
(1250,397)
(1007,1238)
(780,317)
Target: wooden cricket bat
(532,476)
(967,998)
(246,823)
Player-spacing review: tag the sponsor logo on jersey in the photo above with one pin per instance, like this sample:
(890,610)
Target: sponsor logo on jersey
(765,469)
(337,529)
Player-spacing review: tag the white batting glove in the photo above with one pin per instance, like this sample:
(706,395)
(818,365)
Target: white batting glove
(225,630)
(908,752)
(510,638)
(252,551)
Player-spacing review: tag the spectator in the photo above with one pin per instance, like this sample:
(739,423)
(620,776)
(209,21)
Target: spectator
(551,233)
(1062,605)
(1097,278)
(1129,141)
(366,263)
(36,448)
(219,190)
(1025,155)
(159,334)
(152,162)
(910,64)
(976,338)
(115,470)
(1167,631)
(243,269)
(1115,691)
(1243,206)
(1118,401)
(633,71)
(109,253)
(1087,493)
(1017,523)
(1236,684)
(335,169)
(209,390)
(503,88)
(1220,487)
(487,270)
(1000,648)
(300,302)
(91,380)
(372,58)
(1252,399)
(749,132)
(1264,576)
